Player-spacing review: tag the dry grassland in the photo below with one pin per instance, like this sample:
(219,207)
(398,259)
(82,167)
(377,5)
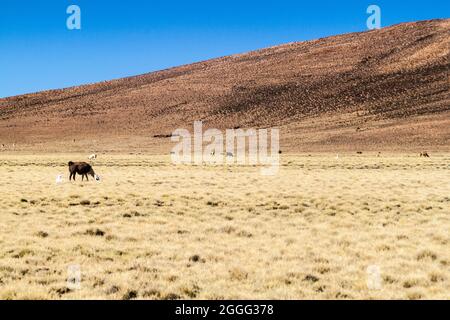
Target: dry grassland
(153,230)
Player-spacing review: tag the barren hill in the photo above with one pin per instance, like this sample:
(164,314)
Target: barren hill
(385,89)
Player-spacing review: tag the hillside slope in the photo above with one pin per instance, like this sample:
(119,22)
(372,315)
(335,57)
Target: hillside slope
(385,89)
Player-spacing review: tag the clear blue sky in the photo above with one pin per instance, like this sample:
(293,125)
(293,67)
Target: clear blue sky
(122,38)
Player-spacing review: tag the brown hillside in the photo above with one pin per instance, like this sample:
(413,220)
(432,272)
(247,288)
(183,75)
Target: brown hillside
(386,89)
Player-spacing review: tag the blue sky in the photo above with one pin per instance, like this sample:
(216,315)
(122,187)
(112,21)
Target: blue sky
(123,38)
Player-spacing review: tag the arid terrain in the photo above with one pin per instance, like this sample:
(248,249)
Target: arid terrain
(153,230)
(352,213)
(379,90)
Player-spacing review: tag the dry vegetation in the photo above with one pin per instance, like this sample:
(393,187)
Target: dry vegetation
(152,230)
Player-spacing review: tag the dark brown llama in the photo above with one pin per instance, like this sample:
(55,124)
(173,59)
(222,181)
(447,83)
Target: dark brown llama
(82,168)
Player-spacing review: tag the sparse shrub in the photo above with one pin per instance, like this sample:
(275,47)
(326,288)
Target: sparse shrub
(22,253)
(62,291)
(228,229)
(170,296)
(389,279)
(42,234)
(341,295)
(212,203)
(95,232)
(414,296)
(152,293)
(310,278)
(244,234)
(130,294)
(323,270)
(410,283)
(238,274)
(191,292)
(426,254)
(436,277)
(196,258)
(112,290)
(172,278)
(159,203)
(320,289)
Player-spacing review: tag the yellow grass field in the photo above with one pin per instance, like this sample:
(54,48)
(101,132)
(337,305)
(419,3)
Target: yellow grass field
(153,230)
